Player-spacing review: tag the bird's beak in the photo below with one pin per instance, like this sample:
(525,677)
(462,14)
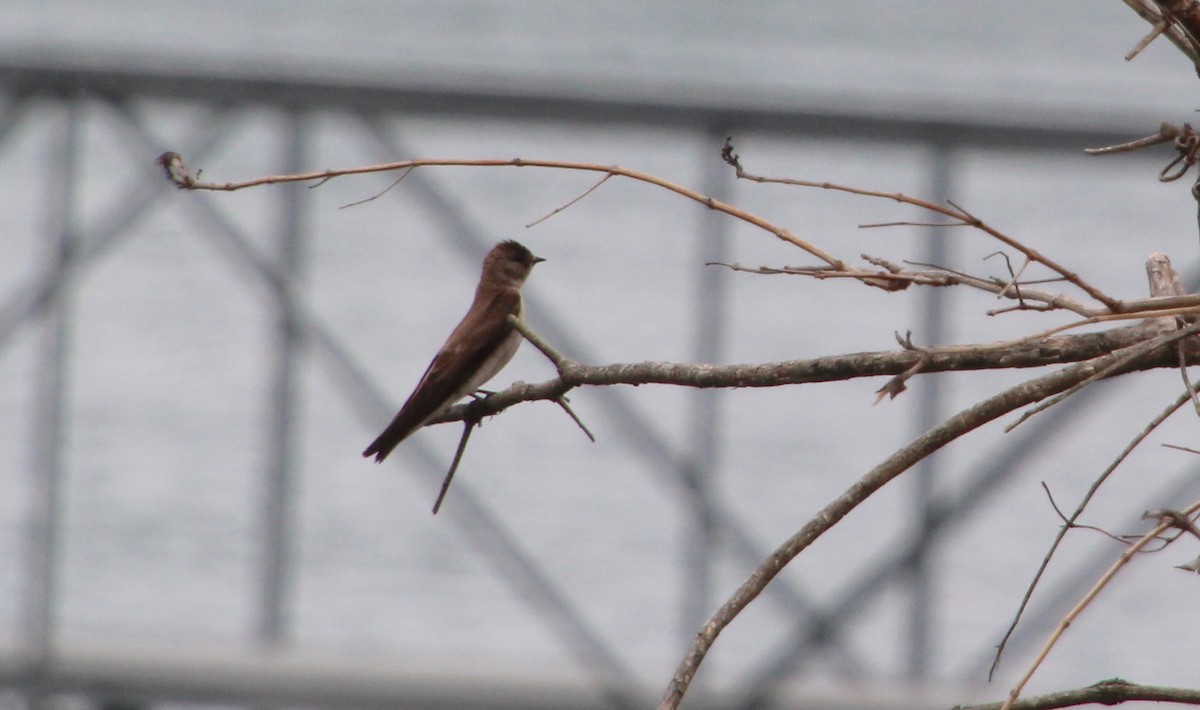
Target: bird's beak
(538,259)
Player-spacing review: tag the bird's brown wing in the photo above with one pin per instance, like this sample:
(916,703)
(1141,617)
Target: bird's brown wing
(481,332)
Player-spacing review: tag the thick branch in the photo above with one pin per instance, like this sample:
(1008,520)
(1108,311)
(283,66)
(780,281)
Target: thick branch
(1106,692)
(1054,350)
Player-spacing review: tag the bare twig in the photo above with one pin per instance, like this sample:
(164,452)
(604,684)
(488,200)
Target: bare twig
(907,223)
(1166,133)
(1013,277)
(1152,12)
(1070,521)
(953,211)
(1155,33)
(377,195)
(178,174)
(1187,381)
(556,210)
(1086,601)
(1185,449)
(1125,359)
(895,386)
(566,406)
(937,276)
(559,362)
(468,425)
(536,340)
(1185,140)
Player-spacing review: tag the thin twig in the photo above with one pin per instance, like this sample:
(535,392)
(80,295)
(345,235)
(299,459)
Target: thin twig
(377,195)
(560,363)
(1086,601)
(1068,523)
(566,405)
(906,223)
(1157,30)
(1087,498)
(468,425)
(1166,133)
(1014,279)
(1181,448)
(941,277)
(1132,354)
(1187,381)
(536,340)
(954,211)
(556,210)
(898,384)
(177,173)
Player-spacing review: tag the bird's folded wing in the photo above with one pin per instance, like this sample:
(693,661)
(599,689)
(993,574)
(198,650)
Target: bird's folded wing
(479,335)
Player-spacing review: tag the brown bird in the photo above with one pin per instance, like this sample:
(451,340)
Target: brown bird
(479,347)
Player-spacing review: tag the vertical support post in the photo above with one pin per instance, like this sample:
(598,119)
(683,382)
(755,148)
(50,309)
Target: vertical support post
(703,425)
(933,331)
(41,589)
(278,507)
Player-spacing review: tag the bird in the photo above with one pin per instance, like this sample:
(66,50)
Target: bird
(478,348)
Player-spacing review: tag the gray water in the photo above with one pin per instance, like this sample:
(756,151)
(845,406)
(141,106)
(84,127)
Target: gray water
(170,347)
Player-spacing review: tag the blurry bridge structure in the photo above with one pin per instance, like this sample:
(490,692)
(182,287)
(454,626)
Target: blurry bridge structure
(38,667)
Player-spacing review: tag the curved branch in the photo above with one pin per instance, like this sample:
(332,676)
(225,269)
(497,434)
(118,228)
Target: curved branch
(956,426)
(177,173)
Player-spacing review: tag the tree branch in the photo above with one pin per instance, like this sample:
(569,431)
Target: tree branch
(965,421)
(1054,350)
(950,210)
(1106,692)
(178,173)
(1151,11)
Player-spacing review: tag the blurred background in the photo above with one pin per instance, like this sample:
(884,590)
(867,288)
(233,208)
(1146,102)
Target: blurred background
(187,379)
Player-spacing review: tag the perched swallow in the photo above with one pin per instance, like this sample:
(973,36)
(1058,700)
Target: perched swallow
(479,347)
